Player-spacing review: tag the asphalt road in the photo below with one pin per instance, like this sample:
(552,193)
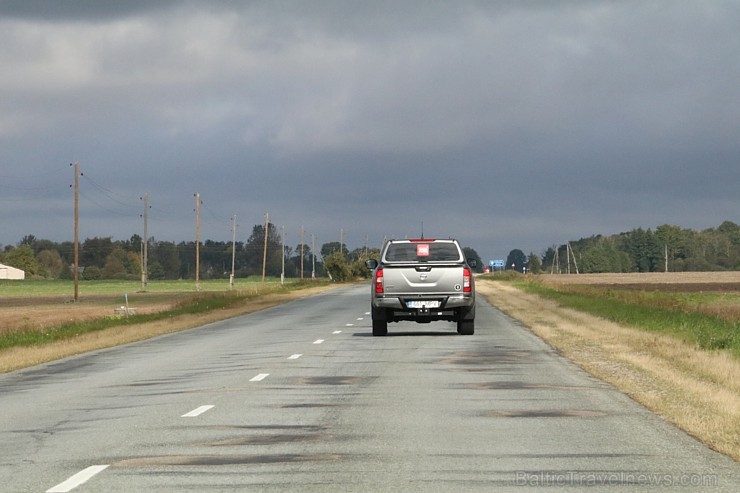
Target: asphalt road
(302,398)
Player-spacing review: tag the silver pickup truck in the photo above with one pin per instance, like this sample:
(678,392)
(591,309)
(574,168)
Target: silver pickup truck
(422,280)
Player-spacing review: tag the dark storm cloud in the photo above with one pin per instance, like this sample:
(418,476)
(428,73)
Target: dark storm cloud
(506,124)
(78,10)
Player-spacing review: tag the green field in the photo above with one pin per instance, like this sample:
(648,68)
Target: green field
(59,288)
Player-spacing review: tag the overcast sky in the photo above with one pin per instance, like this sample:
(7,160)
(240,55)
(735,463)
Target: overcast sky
(505,124)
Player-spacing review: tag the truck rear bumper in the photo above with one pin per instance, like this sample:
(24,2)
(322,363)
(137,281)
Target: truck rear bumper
(442,302)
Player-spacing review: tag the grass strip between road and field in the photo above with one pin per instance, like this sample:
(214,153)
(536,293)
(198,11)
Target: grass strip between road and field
(20,348)
(707,332)
(197,304)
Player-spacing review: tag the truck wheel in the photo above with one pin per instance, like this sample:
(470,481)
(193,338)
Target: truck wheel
(380,328)
(466,327)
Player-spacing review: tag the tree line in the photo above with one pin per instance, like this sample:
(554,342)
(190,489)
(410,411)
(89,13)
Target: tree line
(104,258)
(639,250)
(668,247)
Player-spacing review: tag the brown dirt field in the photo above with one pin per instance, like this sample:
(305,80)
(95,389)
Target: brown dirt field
(680,281)
(39,313)
(728,283)
(699,391)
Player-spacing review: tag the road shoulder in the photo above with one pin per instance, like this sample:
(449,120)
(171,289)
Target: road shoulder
(685,386)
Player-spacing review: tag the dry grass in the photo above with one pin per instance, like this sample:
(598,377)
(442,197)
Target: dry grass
(697,390)
(647,278)
(23,357)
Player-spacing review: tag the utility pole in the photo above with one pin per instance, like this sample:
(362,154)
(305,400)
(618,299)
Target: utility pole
(233,251)
(341,241)
(313,256)
(264,252)
(77,231)
(574,259)
(145,245)
(666,257)
(301,252)
(555,268)
(282,262)
(197,241)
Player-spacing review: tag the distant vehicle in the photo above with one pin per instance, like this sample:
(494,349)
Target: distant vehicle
(422,280)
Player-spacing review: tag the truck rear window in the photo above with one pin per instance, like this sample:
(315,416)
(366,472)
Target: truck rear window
(422,252)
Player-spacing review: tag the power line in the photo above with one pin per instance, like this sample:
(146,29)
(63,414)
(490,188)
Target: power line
(110,193)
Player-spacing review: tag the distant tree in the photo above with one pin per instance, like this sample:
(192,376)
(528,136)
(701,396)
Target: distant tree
(92,273)
(337,266)
(22,257)
(516,260)
(41,245)
(357,258)
(295,260)
(51,263)
(134,244)
(114,268)
(471,254)
(254,251)
(643,249)
(94,251)
(29,240)
(534,265)
(333,247)
(166,254)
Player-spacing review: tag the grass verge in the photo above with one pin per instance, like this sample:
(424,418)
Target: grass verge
(196,304)
(650,311)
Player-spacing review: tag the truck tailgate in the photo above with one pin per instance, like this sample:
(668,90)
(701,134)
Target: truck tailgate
(432,279)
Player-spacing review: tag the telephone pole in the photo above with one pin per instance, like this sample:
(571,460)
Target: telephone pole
(666,257)
(233,250)
(282,243)
(313,256)
(570,248)
(301,252)
(145,260)
(264,252)
(197,241)
(77,231)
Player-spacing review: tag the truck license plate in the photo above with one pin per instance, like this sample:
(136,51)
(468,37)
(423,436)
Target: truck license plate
(422,304)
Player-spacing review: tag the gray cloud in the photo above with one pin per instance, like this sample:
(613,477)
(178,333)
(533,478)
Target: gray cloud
(506,124)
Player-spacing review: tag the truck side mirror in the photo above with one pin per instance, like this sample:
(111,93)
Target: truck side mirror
(371,264)
(473,263)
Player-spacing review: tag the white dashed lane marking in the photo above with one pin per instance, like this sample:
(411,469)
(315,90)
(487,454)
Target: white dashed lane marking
(198,411)
(294,356)
(259,378)
(318,341)
(77,479)
(337,332)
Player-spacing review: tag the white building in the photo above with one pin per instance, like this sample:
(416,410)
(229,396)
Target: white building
(8,272)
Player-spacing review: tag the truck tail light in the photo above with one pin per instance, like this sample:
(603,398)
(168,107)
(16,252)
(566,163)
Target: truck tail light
(466,281)
(379,281)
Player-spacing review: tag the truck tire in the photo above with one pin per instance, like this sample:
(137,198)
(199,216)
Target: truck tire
(380,327)
(466,327)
